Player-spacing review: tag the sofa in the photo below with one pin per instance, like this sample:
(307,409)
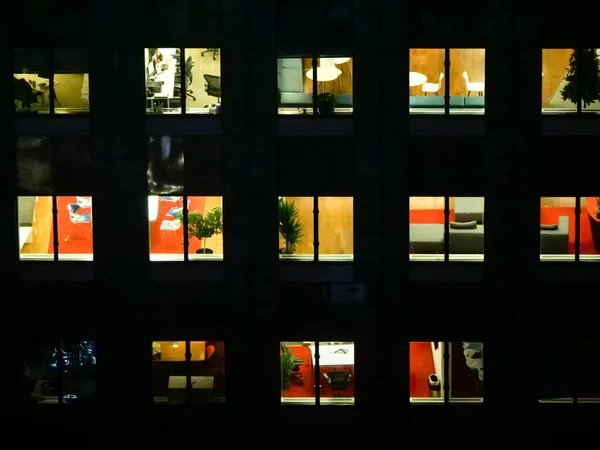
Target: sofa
(464,238)
(554,238)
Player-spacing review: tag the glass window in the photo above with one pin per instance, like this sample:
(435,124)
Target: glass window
(426,83)
(466,371)
(71,81)
(555,67)
(466,228)
(589,231)
(330,77)
(426,229)
(299,372)
(427,375)
(467,80)
(68,234)
(588,377)
(61,372)
(556,363)
(31,81)
(188,372)
(557,229)
(175,77)
(334,228)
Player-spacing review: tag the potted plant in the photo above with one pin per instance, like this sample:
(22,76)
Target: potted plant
(597,207)
(287,367)
(204,226)
(584,68)
(290,227)
(326,103)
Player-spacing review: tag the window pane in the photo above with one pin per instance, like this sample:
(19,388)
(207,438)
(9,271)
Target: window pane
(165,230)
(589,248)
(203,80)
(72,155)
(467,80)
(34,165)
(557,362)
(336,228)
(165,164)
(207,374)
(35,228)
(297,372)
(466,371)
(466,228)
(205,227)
(294,88)
(168,371)
(426,371)
(162,69)
(74,228)
(41,375)
(296,228)
(31,81)
(589,371)
(336,361)
(557,229)
(71,82)
(555,66)
(426,81)
(334,78)
(426,233)
(79,371)
(589,79)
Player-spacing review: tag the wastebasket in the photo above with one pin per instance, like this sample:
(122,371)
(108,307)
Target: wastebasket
(434,385)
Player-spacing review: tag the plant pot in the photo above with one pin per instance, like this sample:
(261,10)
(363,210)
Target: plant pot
(326,108)
(204,251)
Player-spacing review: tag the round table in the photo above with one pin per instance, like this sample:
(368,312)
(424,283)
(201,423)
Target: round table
(324,74)
(416,79)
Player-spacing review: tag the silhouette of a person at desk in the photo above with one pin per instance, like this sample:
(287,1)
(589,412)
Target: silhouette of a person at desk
(157,58)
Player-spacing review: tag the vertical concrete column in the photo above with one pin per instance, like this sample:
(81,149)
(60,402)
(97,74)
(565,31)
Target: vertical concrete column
(512,210)
(264,257)
(236,75)
(368,94)
(121,252)
(393,238)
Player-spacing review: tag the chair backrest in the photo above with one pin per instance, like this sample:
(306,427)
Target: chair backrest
(466,76)
(189,77)
(209,351)
(213,85)
(440,80)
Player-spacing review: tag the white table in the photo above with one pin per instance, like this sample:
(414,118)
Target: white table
(334,355)
(152,207)
(416,79)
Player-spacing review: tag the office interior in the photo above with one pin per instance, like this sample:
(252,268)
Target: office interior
(428,79)
(464,372)
(170,81)
(51,81)
(299,372)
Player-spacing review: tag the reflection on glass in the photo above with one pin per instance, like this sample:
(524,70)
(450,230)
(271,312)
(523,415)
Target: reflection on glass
(62,372)
(31,81)
(71,82)
(203,80)
(199,380)
(296,228)
(333,75)
(466,228)
(336,380)
(162,72)
(34,165)
(466,371)
(589,236)
(426,81)
(426,229)
(556,96)
(336,228)
(557,229)
(426,371)
(467,80)
(297,372)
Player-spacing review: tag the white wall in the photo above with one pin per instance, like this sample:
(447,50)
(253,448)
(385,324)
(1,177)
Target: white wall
(438,360)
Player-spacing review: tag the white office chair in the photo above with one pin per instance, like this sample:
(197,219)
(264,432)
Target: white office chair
(433,87)
(476,86)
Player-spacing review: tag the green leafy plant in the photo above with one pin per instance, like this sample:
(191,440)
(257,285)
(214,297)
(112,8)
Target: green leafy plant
(204,226)
(288,363)
(290,227)
(598,207)
(326,103)
(583,70)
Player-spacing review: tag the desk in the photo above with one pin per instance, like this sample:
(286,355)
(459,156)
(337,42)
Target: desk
(167,78)
(334,355)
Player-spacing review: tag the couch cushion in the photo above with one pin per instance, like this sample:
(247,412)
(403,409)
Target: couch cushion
(471,225)
(553,226)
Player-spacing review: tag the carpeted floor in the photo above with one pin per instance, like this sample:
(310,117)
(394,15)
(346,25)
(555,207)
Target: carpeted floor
(72,237)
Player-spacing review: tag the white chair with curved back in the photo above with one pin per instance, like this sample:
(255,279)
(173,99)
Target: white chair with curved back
(433,87)
(473,86)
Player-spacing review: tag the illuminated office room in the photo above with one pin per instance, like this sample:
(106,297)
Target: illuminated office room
(171,82)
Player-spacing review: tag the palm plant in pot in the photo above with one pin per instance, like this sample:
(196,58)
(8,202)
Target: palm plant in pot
(204,226)
(290,227)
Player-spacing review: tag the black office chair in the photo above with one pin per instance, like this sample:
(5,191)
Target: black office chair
(215,52)
(339,380)
(213,86)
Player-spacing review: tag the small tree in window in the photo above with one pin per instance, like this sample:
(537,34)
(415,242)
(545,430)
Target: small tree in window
(588,77)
